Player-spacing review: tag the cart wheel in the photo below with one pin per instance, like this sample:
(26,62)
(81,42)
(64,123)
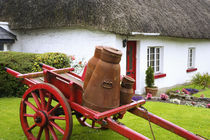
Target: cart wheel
(44,109)
(89,123)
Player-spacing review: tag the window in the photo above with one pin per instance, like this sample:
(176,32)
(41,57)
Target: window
(191,58)
(1,47)
(154,58)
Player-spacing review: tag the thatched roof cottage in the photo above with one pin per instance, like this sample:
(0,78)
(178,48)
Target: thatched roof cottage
(172,36)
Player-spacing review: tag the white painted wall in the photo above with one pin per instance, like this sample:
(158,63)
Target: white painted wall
(82,42)
(78,42)
(175,56)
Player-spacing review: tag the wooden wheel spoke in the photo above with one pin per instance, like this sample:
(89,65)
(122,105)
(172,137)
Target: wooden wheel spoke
(47,135)
(53,109)
(49,102)
(28,115)
(36,100)
(40,133)
(52,131)
(32,127)
(56,118)
(93,124)
(31,106)
(41,94)
(84,119)
(56,126)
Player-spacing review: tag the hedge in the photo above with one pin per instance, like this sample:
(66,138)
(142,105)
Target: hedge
(25,63)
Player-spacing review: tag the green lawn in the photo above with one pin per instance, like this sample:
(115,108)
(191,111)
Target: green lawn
(185,86)
(206,93)
(193,119)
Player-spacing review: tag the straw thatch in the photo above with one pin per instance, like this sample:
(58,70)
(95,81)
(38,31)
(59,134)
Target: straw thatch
(176,18)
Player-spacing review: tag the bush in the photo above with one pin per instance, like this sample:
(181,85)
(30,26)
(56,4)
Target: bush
(149,77)
(25,63)
(201,80)
(21,62)
(57,60)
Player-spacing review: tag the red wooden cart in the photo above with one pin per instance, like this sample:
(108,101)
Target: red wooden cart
(54,95)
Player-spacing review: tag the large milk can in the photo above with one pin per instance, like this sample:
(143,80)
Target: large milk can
(91,65)
(103,90)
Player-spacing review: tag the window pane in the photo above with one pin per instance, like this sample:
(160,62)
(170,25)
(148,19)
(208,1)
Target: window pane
(157,56)
(157,69)
(157,62)
(152,56)
(158,50)
(152,50)
(191,51)
(152,63)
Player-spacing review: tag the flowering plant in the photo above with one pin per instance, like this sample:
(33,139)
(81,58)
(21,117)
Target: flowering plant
(163,96)
(136,98)
(78,65)
(149,96)
(208,105)
(192,90)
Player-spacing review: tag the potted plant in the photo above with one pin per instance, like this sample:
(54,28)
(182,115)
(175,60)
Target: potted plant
(150,88)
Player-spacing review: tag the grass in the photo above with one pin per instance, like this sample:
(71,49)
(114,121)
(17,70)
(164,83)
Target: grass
(193,119)
(185,86)
(206,93)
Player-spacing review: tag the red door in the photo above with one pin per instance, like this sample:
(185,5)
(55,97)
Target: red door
(131,60)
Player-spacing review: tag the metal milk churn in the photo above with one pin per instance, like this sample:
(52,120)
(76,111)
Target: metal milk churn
(92,64)
(103,90)
(126,90)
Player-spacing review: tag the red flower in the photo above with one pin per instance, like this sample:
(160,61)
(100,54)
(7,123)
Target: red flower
(163,96)
(149,96)
(72,57)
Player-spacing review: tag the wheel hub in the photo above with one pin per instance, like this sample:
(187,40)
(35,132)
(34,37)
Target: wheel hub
(40,118)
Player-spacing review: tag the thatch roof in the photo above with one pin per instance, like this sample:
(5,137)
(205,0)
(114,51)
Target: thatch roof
(176,18)
(6,36)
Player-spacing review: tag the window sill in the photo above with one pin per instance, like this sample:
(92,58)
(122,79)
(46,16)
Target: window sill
(191,69)
(160,75)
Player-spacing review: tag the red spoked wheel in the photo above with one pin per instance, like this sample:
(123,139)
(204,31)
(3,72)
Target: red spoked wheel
(44,109)
(89,123)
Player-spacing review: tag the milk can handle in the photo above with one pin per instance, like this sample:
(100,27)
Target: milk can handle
(107,84)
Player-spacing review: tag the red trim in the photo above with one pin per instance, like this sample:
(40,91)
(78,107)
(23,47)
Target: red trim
(160,75)
(191,69)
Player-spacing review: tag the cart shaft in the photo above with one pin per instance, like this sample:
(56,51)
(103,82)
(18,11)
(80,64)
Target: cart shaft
(164,124)
(125,131)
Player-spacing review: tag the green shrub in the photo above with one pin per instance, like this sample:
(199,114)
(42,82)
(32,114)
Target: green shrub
(201,80)
(21,62)
(57,60)
(25,63)
(149,77)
